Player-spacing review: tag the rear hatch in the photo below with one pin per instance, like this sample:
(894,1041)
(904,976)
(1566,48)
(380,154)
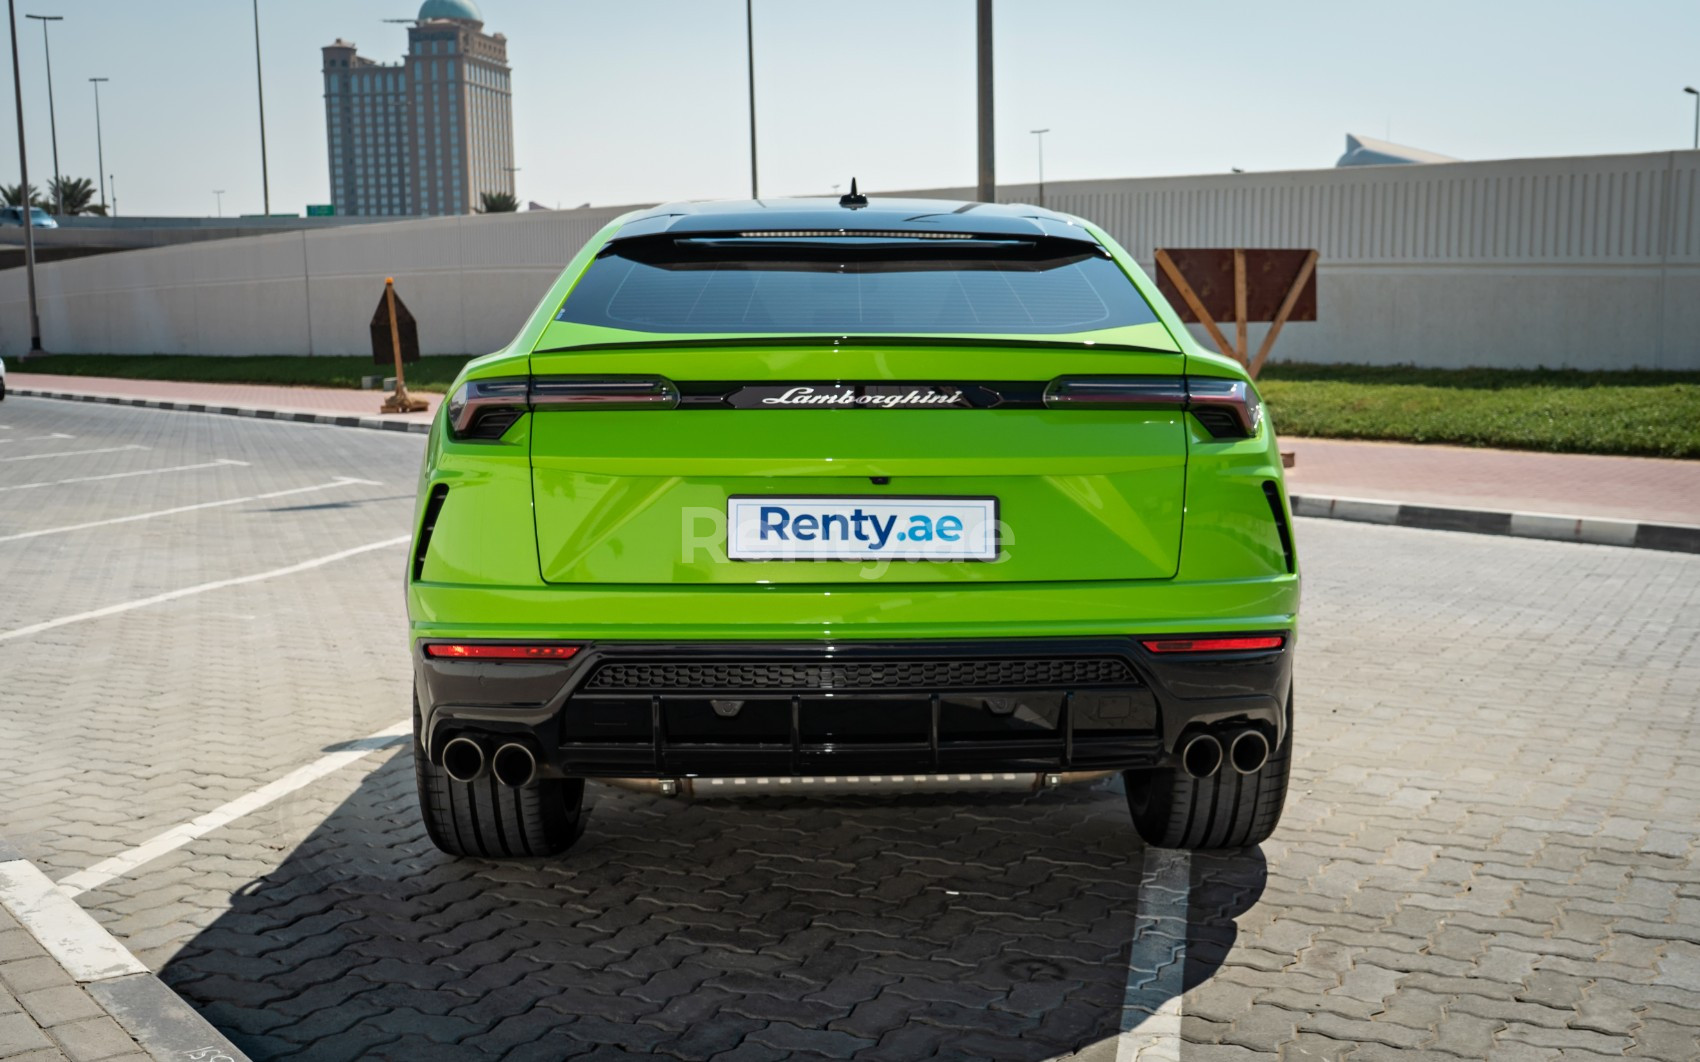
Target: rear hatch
(808,459)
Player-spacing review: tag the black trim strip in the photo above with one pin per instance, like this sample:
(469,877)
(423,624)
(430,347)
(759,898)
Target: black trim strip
(433,507)
(1272,491)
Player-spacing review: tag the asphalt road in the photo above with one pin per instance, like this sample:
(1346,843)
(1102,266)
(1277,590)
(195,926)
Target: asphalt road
(1489,850)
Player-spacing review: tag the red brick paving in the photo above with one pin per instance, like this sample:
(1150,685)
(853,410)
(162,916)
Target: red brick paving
(342,401)
(1658,490)
(1628,488)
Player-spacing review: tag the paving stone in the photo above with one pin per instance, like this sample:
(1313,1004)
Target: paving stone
(1580,1039)
(1664,1039)
(30,975)
(18,944)
(1195,1052)
(1263,1028)
(91,1040)
(20,1033)
(56,1006)
(1380,1032)
(1310,1047)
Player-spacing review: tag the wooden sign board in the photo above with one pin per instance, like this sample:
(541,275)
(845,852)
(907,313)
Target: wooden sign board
(383,348)
(1239,284)
(1269,275)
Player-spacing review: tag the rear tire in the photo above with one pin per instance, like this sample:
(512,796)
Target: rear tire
(1170,809)
(486,819)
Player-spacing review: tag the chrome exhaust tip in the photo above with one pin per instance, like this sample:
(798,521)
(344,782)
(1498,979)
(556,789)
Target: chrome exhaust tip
(463,759)
(1201,756)
(1248,751)
(514,765)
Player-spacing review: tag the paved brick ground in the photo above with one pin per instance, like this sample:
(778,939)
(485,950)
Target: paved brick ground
(45,1016)
(141,720)
(1489,850)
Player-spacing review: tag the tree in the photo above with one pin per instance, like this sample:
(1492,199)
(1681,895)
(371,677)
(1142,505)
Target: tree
(75,193)
(498,203)
(10,193)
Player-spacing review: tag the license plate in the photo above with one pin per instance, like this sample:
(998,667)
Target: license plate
(861,527)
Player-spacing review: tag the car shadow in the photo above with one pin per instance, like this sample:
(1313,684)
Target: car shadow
(314,507)
(979,925)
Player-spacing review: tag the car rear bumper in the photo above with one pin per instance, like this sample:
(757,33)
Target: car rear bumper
(648,709)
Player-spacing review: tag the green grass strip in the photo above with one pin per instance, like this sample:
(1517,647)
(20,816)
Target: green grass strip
(1653,414)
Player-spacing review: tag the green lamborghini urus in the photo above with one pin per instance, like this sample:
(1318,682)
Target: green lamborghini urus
(851,494)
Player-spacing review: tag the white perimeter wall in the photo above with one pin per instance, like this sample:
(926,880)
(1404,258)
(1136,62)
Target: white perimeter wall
(1586,262)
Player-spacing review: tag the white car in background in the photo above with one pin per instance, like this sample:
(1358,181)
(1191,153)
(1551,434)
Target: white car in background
(2,379)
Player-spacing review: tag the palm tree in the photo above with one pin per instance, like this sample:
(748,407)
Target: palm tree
(498,203)
(13,197)
(75,195)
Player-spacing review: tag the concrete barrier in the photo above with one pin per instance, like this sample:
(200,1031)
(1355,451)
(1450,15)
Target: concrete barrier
(1586,262)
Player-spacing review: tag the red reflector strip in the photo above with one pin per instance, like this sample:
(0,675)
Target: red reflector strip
(1213,645)
(502,652)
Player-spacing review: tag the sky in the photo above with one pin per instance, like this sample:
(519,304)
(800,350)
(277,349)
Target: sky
(639,101)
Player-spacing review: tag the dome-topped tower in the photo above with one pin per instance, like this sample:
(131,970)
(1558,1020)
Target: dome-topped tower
(464,10)
(430,135)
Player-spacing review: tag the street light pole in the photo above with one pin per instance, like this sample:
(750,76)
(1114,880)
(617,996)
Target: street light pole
(52,118)
(1692,91)
(24,183)
(259,79)
(1040,134)
(218,193)
(988,183)
(99,147)
(750,55)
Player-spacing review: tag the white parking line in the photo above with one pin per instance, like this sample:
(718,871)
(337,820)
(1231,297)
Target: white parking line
(178,836)
(189,591)
(76,453)
(126,475)
(340,481)
(35,438)
(1156,961)
(70,934)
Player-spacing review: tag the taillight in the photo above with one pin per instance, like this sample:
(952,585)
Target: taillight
(603,392)
(1214,645)
(1117,392)
(455,651)
(1228,409)
(485,409)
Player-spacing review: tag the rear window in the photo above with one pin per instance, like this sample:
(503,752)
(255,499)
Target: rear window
(853,285)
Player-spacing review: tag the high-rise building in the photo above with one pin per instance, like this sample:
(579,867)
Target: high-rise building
(427,135)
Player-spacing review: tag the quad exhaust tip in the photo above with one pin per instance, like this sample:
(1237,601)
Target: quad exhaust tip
(463,759)
(1201,757)
(1249,751)
(514,765)
(1245,751)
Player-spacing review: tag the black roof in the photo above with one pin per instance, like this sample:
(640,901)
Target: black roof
(879,215)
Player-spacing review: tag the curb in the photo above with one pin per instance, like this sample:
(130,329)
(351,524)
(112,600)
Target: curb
(337,420)
(1595,530)
(157,1018)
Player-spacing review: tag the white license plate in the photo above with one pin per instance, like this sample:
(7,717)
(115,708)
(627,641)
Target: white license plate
(861,527)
